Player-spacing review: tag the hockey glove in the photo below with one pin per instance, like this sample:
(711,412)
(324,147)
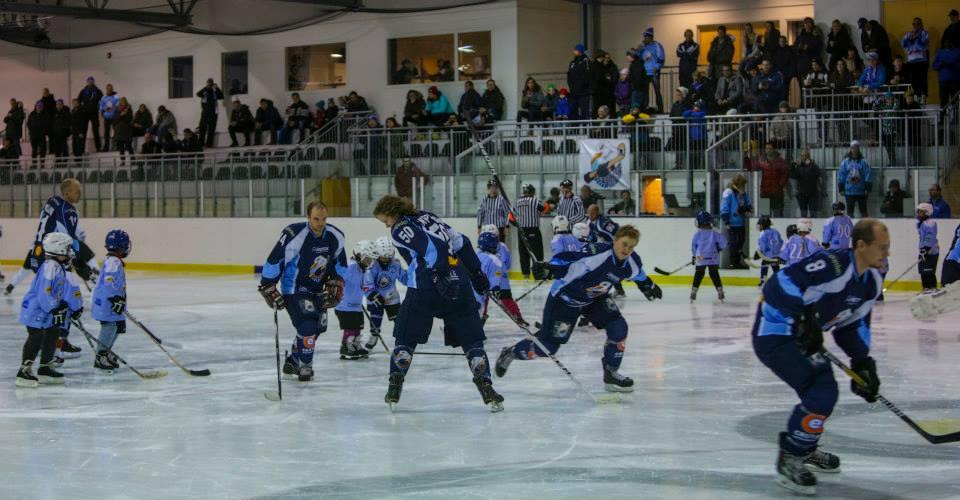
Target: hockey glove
(375,299)
(77,314)
(479,280)
(446,282)
(540,271)
(808,331)
(693,260)
(118,304)
(650,289)
(332,292)
(59,314)
(867,369)
(756,255)
(271,295)
(495,293)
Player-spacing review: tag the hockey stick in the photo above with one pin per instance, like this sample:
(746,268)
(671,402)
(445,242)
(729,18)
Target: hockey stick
(276,396)
(904,273)
(935,431)
(532,289)
(91,340)
(375,331)
(601,399)
(196,373)
(668,273)
(930,305)
(174,345)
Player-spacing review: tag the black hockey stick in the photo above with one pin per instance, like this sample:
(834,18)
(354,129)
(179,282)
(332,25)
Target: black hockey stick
(91,340)
(174,345)
(601,399)
(949,429)
(276,396)
(196,373)
(375,332)
(532,289)
(668,273)
(904,273)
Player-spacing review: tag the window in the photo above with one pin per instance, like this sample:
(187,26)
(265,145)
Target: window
(421,59)
(473,50)
(234,77)
(316,67)
(180,70)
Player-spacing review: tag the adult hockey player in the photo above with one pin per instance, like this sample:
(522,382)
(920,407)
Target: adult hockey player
(837,229)
(830,290)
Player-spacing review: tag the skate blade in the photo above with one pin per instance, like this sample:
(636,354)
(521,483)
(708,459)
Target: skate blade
(393,406)
(69,355)
(817,468)
(27,384)
(796,488)
(617,388)
(495,406)
(102,371)
(272,395)
(45,380)
(290,376)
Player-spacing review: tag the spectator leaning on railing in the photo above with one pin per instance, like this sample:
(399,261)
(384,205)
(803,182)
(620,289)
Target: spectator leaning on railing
(898,75)
(855,180)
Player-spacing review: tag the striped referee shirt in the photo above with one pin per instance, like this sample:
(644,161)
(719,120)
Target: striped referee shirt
(528,209)
(572,208)
(493,211)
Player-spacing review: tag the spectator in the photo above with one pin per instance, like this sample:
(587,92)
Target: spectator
(785,61)
(702,90)
(8,151)
(470,102)
(771,40)
(356,103)
(947,66)
(406,73)
(210,95)
(774,176)
(332,110)
(49,108)
(298,117)
(678,133)
(578,81)
(735,208)
(841,79)
(562,110)
(855,179)
(807,175)
(952,31)
(721,52)
(150,146)
(407,174)
(531,102)
(873,38)
(437,108)
(123,128)
(78,130)
(142,121)
(749,39)
(553,200)
(752,59)
(783,128)
(413,110)
(941,210)
(445,73)
(809,46)
(190,142)
(319,118)
(769,86)
(817,77)
(108,109)
(568,205)
(653,57)
(916,44)
(601,129)
(874,75)
(890,120)
(898,75)
(730,87)
(838,42)
(267,120)
(165,122)
(892,205)
(589,197)
(493,103)
(38,125)
(854,62)
(688,53)
(89,110)
(169,141)
(13,122)
(637,76)
(606,75)
(621,92)
(626,205)
(60,130)
(914,125)
(549,107)
(241,120)
(697,129)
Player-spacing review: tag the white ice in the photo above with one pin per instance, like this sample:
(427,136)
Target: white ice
(702,424)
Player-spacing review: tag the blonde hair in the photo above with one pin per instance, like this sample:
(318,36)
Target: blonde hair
(739,182)
(627,231)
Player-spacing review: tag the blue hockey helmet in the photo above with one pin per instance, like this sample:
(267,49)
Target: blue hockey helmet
(704,218)
(118,241)
(488,242)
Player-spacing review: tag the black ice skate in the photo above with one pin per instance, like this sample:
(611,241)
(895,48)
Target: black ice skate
(25,376)
(57,362)
(359,347)
(104,363)
(720,294)
(68,350)
(290,368)
(693,294)
(47,375)
(8,290)
(490,397)
(306,373)
(372,341)
(503,361)
(822,461)
(348,351)
(615,382)
(793,475)
(394,389)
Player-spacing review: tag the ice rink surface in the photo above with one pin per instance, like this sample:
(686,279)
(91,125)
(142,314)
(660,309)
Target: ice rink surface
(702,423)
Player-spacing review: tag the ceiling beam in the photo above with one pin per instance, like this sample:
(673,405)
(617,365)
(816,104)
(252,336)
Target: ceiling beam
(342,4)
(102,14)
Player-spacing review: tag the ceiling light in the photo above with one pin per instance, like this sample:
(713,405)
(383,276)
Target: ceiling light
(466,48)
(336,56)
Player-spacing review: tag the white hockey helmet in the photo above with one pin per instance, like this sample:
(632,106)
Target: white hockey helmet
(804,225)
(489,228)
(561,224)
(58,245)
(383,248)
(925,208)
(363,250)
(581,231)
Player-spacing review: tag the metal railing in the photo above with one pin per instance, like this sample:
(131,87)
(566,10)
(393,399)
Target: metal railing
(847,99)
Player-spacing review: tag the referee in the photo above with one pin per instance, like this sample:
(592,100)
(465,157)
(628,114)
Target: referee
(570,206)
(528,209)
(494,210)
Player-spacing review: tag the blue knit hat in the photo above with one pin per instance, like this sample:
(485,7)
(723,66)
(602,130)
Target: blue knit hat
(648,32)
(579,47)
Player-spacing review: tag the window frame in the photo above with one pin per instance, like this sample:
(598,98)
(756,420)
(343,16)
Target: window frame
(332,85)
(455,35)
(170,77)
(223,71)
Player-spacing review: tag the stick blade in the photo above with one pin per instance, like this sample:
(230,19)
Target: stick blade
(661,271)
(272,396)
(200,373)
(609,398)
(944,430)
(153,374)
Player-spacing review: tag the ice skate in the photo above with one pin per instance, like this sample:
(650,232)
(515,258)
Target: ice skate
(615,382)
(394,389)
(290,368)
(348,351)
(25,377)
(503,361)
(48,376)
(104,364)
(693,294)
(491,398)
(793,475)
(8,290)
(720,295)
(305,374)
(68,350)
(822,461)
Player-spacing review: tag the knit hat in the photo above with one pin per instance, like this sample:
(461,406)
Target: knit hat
(433,89)
(90,79)
(564,92)
(854,143)
(579,47)
(551,86)
(648,32)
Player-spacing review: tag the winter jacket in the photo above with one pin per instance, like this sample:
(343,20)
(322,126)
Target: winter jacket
(269,118)
(730,89)
(89,100)
(653,57)
(873,77)
(242,118)
(916,46)
(785,61)
(123,124)
(494,102)
(855,177)
(358,104)
(605,79)
(108,105)
(166,121)
(773,177)
(61,123)
(878,41)
(38,124)
(49,105)
(638,76)
(415,108)
(298,112)
(13,122)
(689,55)
(438,106)
(470,103)
(151,148)
(721,51)
(809,47)
(550,102)
(208,99)
(578,76)
(837,45)
(807,176)
(698,125)
(733,207)
(563,107)
(947,64)
(621,92)
(893,203)
(142,121)
(78,122)
(532,100)
(775,87)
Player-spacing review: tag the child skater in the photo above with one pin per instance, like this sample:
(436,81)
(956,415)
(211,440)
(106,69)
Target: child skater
(706,247)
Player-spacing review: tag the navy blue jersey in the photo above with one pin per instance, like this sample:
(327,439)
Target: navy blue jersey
(602,229)
(427,243)
(588,275)
(301,260)
(829,281)
(58,216)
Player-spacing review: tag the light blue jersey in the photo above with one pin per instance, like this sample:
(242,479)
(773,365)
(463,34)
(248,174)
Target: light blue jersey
(492,268)
(111,283)
(503,252)
(565,242)
(928,236)
(837,232)
(383,279)
(352,300)
(706,246)
(798,248)
(49,288)
(770,243)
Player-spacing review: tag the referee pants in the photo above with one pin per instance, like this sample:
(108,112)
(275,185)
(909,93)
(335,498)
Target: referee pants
(533,236)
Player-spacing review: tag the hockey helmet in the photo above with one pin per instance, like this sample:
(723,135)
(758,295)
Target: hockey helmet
(383,248)
(561,224)
(804,225)
(581,231)
(488,242)
(118,241)
(704,218)
(58,245)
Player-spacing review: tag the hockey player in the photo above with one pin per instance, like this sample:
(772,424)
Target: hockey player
(836,290)
(706,247)
(45,309)
(348,311)
(492,267)
(582,288)
(442,266)
(769,244)
(110,299)
(951,267)
(602,229)
(505,294)
(581,231)
(800,245)
(307,263)
(380,287)
(563,241)
(929,246)
(836,232)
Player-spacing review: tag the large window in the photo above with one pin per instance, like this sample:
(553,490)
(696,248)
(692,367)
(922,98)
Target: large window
(473,50)
(421,59)
(316,67)
(180,71)
(234,67)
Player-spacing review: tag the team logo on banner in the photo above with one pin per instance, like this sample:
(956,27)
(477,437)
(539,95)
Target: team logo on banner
(605,163)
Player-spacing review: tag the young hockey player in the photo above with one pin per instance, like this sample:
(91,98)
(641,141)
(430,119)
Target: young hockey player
(349,311)
(706,247)
(581,231)
(563,241)
(834,289)
(582,288)
(442,266)
(505,294)
(110,299)
(380,286)
(768,247)
(837,230)
(929,246)
(45,309)
(306,262)
(492,268)
(800,245)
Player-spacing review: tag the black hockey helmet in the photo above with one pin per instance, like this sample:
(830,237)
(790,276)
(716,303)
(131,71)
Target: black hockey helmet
(567,183)
(764,221)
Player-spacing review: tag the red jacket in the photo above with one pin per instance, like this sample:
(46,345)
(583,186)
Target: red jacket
(774,175)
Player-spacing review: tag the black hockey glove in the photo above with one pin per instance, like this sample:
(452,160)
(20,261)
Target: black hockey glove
(808,331)
(756,255)
(446,282)
(539,271)
(59,314)
(650,289)
(118,304)
(495,293)
(332,292)
(479,280)
(867,369)
(77,314)
(272,296)
(375,299)
(693,260)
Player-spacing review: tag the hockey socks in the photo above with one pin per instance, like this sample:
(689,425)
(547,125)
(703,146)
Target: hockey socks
(401,359)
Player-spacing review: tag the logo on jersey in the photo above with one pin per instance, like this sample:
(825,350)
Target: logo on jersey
(308,343)
(853,301)
(384,281)
(562,329)
(599,290)
(320,249)
(318,266)
(813,423)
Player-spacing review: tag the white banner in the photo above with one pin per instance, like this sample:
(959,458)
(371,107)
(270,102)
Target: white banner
(605,163)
